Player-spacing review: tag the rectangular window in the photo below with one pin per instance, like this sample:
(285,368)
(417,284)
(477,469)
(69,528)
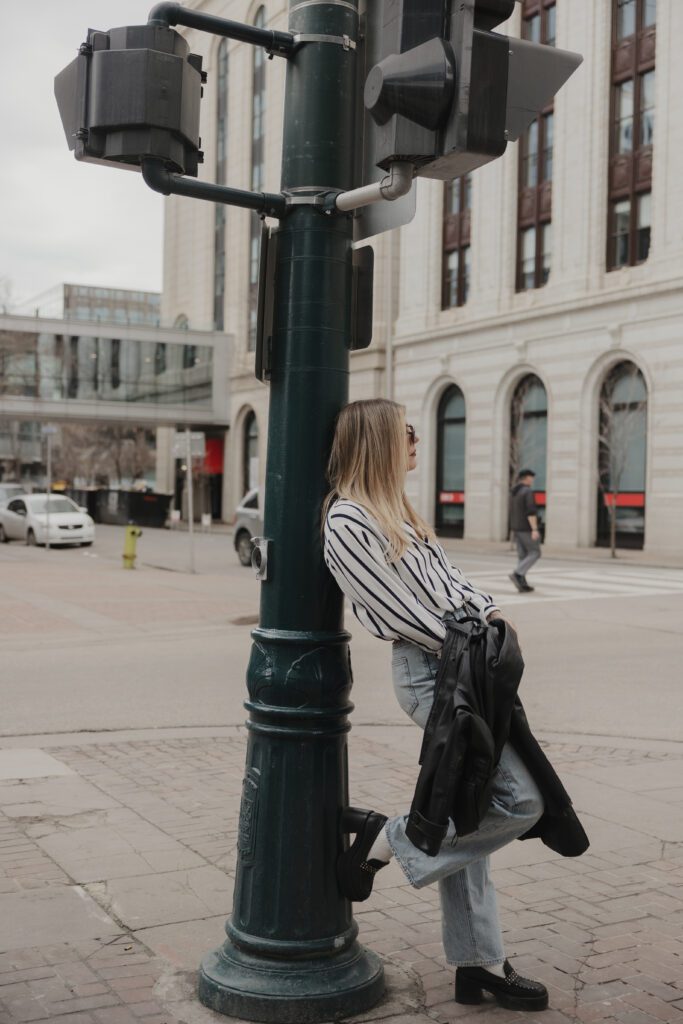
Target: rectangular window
(528,258)
(530,172)
(626,18)
(546,251)
(452,200)
(551,25)
(451,283)
(647,108)
(621,220)
(532,28)
(258,110)
(643,227)
(115,363)
(632,133)
(456,242)
(159,358)
(548,139)
(189,356)
(624,120)
(649,13)
(536,165)
(466,261)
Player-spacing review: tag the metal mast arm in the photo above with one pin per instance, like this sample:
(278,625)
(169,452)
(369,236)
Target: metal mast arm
(168,14)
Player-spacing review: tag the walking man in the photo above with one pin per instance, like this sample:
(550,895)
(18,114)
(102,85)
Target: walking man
(524,523)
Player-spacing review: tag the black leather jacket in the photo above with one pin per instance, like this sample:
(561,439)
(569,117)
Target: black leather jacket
(476,710)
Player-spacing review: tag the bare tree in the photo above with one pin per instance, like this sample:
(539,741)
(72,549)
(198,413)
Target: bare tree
(621,425)
(103,451)
(12,445)
(524,447)
(531,447)
(6,289)
(18,363)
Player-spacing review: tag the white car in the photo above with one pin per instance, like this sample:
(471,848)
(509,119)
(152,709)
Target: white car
(9,491)
(26,518)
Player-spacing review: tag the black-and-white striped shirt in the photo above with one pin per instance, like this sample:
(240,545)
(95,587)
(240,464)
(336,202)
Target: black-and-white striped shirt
(401,600)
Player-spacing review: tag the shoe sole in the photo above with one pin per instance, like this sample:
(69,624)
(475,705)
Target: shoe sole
(527,1003)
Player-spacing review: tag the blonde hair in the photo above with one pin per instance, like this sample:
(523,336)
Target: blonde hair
(368,464)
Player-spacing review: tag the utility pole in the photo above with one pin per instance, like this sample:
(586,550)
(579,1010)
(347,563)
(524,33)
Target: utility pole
(48,430)
(190,494)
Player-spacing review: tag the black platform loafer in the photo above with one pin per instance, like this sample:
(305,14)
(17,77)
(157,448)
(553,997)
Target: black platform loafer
(513,992)
(355,873)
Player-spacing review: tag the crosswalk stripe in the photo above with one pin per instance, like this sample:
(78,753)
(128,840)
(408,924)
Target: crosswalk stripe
(583,583)
(506,599)
(646,581)
(628,586)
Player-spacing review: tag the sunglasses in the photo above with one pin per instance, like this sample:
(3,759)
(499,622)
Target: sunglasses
(410,431)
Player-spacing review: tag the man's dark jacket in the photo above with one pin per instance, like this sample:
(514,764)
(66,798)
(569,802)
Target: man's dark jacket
(522,505)
(476,711)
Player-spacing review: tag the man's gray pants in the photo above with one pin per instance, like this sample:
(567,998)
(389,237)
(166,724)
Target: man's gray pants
(528,551)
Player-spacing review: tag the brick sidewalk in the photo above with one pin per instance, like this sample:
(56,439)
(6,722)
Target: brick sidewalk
(116,873)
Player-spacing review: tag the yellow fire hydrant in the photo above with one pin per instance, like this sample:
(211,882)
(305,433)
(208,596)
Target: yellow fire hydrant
(130,545)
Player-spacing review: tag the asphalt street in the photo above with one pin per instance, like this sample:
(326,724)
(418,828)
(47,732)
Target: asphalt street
(121,762)
(89,646)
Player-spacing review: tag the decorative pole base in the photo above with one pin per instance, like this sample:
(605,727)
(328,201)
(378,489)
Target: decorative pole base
(239,984)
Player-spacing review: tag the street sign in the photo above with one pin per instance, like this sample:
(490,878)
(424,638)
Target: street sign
(48,429)
(197,444)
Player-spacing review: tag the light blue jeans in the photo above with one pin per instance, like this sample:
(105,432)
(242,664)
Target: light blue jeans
(469,909)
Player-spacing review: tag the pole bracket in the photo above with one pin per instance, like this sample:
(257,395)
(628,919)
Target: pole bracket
(310,198)
(312,37)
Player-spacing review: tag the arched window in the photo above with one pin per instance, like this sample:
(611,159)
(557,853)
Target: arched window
(257,172)
(450,477)
(622,449)
(250,461)
(221,173)
(529,435)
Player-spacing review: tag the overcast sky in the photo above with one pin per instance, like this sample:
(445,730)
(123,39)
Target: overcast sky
(60,220)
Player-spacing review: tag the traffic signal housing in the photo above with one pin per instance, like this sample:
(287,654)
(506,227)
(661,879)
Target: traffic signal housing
(448,93)
(130,94)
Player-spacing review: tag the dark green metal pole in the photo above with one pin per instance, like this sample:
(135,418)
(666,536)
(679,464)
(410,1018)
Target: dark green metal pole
(291,954)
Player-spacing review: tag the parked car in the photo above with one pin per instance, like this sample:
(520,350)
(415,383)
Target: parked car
(26,518)
(9,491)
(248,524)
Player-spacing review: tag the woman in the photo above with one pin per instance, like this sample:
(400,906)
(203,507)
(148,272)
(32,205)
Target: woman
(402,587)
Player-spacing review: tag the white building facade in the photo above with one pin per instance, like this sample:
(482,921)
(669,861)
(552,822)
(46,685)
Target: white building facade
(533,314)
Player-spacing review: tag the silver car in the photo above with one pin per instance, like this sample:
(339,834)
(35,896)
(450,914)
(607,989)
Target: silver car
(248,524)
(30,518)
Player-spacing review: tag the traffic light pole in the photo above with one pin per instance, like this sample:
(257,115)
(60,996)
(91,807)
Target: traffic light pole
(291,953)
(132,97)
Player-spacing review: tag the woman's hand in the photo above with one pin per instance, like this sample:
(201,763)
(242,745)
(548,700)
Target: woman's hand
(497,616)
